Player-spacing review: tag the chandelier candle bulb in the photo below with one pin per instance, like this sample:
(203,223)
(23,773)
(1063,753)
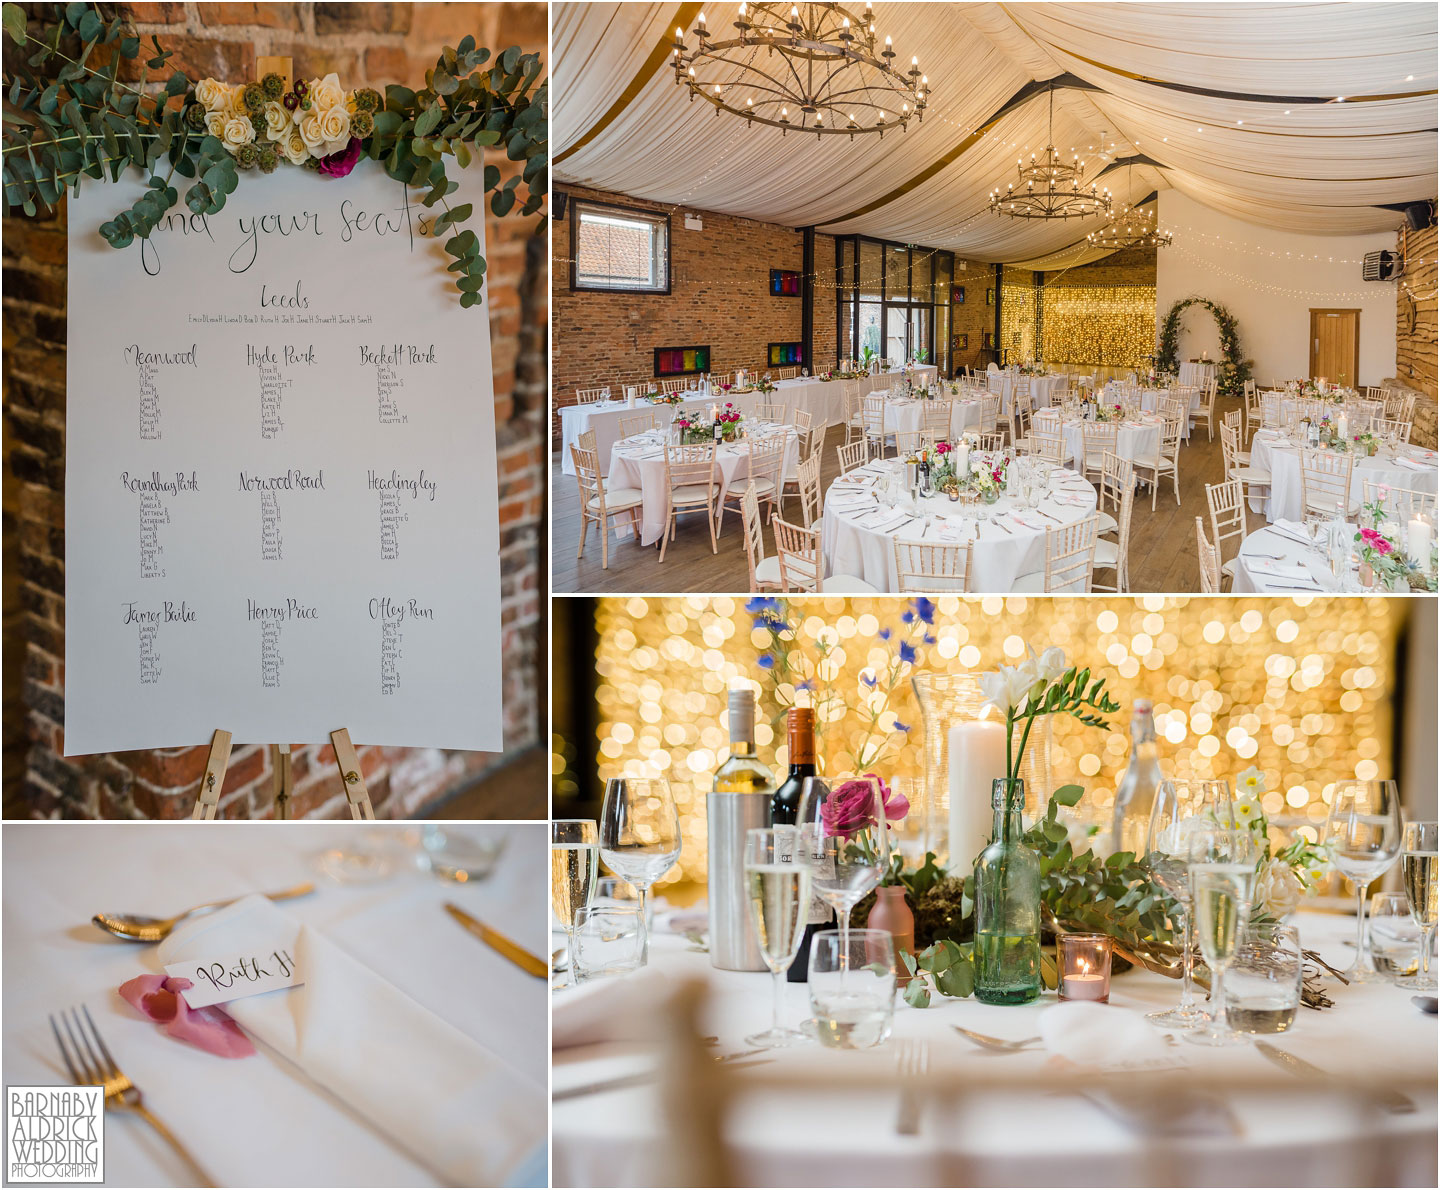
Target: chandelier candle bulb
(977,761)
(1083,964)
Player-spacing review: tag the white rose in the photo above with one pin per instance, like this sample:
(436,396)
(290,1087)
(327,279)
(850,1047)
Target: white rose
(277,121)
(310,132)
(327,93)
(235,102)
(335,124)
(215,123)
(210,94)
(1277,889)
(295,149)
(238,131)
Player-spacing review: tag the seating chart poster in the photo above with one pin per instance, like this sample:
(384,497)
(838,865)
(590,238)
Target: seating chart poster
(280,500)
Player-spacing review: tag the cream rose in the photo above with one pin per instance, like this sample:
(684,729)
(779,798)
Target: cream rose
(277,121)
(238,131)
(327,93)
(215,123)
(295,149)
(210,94)
(310,131)
(1277,889)
(335,124)
(235,102)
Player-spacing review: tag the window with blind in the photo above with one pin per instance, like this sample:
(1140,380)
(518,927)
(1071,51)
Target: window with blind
(619,250)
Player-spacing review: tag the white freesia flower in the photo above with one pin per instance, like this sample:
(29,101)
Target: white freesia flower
(1007,688)
(237,131)
(211,95)
(1277,889)
(277,121)
(327,92)
(1251,782)
(1050,664)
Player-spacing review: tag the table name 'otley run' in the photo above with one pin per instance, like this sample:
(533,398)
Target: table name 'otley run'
(385,608)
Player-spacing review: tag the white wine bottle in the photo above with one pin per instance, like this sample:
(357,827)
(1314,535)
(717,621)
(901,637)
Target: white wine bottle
(1135,795)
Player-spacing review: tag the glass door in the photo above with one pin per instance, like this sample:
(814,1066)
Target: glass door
(897,334)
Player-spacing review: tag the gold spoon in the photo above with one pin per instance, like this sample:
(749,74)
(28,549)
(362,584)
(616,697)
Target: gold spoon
(135,928)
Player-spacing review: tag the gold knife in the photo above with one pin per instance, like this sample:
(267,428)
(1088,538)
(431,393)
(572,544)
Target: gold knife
(497,942)
(1390,1100)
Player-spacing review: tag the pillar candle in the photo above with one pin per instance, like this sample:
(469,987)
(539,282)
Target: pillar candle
(1417,540)
(1343,427)
(977,761)
(962,459)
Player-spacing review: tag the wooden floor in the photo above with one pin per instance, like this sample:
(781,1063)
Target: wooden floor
(1162,544)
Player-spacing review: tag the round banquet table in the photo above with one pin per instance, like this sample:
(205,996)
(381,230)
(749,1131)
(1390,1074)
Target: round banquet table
(639,462)
(858,534)
(1138,438)
(1407,466)
(842,1133)
(1277,560)
(260,1120)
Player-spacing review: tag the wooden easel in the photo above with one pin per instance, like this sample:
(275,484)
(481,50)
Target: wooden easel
(352,777)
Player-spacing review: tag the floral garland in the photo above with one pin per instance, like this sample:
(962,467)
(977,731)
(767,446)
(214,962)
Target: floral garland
(1232,372)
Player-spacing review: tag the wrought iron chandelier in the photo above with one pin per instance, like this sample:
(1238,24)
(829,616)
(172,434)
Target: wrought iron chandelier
(814,68)
(1050,188)
(1131,227)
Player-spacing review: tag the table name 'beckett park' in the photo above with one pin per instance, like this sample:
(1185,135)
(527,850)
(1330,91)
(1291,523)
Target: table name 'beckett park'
(397,354)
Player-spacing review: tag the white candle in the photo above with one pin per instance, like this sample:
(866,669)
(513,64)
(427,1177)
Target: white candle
(1418,540)
(977,761)
(1343,426)
(1083,987)
(962,464)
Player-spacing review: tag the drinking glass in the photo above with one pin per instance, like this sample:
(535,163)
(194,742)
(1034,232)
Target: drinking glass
(777,885)
(1394,936)
(461,853)
(609,940)
(639,835)
(1420,890)
(852,987)
(1222,883)
(1182,807)
(574,863)
(843,831)
(1363,833)
(1263,983)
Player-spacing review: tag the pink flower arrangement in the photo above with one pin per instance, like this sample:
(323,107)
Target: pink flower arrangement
(850,807)
(337,165)
(943,448)
(728,414)
(1378,542)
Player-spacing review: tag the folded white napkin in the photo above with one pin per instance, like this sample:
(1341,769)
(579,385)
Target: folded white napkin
(1030,522)
(684,921)
(1412,464)
(435,1092)
(612,1008)
(1104,1036)
(1279,568)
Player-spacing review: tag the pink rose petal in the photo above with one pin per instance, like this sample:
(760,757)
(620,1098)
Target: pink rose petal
(210,1029)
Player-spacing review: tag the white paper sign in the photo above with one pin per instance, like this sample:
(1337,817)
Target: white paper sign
(215,981)
(281,506)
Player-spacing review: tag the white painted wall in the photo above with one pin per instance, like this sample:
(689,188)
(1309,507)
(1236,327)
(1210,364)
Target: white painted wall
(1244,267)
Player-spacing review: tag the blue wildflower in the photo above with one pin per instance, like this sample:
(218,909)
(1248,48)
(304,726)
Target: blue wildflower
(901,726)
(929,640)
(766,661)
(884,634)
(759,605)
(907,618)
(924,609)
(907,652)
(869,680)
(807,684)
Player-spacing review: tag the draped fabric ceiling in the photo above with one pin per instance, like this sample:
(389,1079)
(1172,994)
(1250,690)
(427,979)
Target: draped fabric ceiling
(1236,105)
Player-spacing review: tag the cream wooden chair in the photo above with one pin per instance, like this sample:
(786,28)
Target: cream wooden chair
(1273,414)
(1373,392)
(1116,475)
(1227,522)
(589,396)
(764,475)
(691,484)
(787,373)
(630,426)
(990,408)
(1325,482)
(1247,475)
(1209,561)
(853,454)
(991,440)
(1047,440)
(764,572)
(597,505)
(1232,419)
(1400,429)
(1253,412)
(854,413)
(1115,555)
(1098,439)
(1400,405)
(771,411)
(1069,561)
(1402,503)
(935,422)
(924,568)
(1206,412)
(808,482)
(908,442)
(799,552)
(679,384)
(802,420)
(873,411)
(1167,462)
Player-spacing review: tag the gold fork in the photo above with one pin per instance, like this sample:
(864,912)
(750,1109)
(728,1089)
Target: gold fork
(87,1069)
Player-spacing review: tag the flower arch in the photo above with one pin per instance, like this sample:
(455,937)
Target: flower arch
(1232,372)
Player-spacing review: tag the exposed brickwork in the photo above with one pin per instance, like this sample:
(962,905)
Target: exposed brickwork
(1415,340)
(371,44)
(972,317)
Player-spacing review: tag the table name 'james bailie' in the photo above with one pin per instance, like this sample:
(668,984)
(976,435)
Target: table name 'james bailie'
(397,354)
(287,481)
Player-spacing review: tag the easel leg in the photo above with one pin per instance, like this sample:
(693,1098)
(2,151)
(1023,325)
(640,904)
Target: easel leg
(351,775)
(280,762)
(214,779)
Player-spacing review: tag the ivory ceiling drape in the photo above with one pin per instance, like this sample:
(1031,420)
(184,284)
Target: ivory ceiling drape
(1240,104)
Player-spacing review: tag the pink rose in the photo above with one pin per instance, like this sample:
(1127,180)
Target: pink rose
(850,808)
(337,165)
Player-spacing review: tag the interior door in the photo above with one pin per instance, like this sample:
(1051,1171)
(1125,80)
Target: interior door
(1335,346)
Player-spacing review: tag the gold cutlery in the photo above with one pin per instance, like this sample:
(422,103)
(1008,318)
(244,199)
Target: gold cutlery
(913,1060)
(995,1043)
(1391,1100)
(497,942)
(87,1069)
(135,928)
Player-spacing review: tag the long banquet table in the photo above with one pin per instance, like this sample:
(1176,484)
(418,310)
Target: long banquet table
(842,1134)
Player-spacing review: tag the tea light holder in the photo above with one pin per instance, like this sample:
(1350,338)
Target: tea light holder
(1083,962)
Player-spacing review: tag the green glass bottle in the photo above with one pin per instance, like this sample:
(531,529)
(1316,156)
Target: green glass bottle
(1006,892)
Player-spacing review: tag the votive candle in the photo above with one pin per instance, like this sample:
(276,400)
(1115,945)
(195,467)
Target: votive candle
(1083,963)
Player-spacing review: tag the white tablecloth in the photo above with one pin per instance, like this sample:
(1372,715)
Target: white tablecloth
(845,1137)
(1138,437)
(1042,388)
(604,418)
(640,463)
(257,1121)
(1411,467)
(907,416)
(1270,561)
(861,542)
(1192,373)
(1359,412)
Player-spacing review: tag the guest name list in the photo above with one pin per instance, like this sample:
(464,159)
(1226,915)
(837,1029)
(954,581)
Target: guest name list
(299,415)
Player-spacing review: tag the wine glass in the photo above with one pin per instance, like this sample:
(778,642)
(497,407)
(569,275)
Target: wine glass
(574,861)
(1182,807)
(1222,885)
(1363,834)
(639,835)
(1420,890)
(777,885)
(843,831)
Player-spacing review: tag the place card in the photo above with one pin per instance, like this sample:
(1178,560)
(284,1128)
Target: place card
(228,977)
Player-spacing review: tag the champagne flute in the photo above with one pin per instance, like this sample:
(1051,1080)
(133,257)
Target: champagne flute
(1222,885)
(1182,807)
(639,836)
(1420,872)
(777,885)
(1363,833)
(574,860)
(843,830)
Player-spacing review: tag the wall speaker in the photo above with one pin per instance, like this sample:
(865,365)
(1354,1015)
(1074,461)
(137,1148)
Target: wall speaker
(1420,215)
(1381,266)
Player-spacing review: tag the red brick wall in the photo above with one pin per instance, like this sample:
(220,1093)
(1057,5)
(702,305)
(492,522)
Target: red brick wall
(367,44)
(973,317)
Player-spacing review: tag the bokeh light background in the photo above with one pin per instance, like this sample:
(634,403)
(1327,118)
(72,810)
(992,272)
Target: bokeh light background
(1300,687)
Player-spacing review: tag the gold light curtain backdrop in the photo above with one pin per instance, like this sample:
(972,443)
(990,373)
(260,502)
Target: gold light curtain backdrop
(1111,326)
(1300,687)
